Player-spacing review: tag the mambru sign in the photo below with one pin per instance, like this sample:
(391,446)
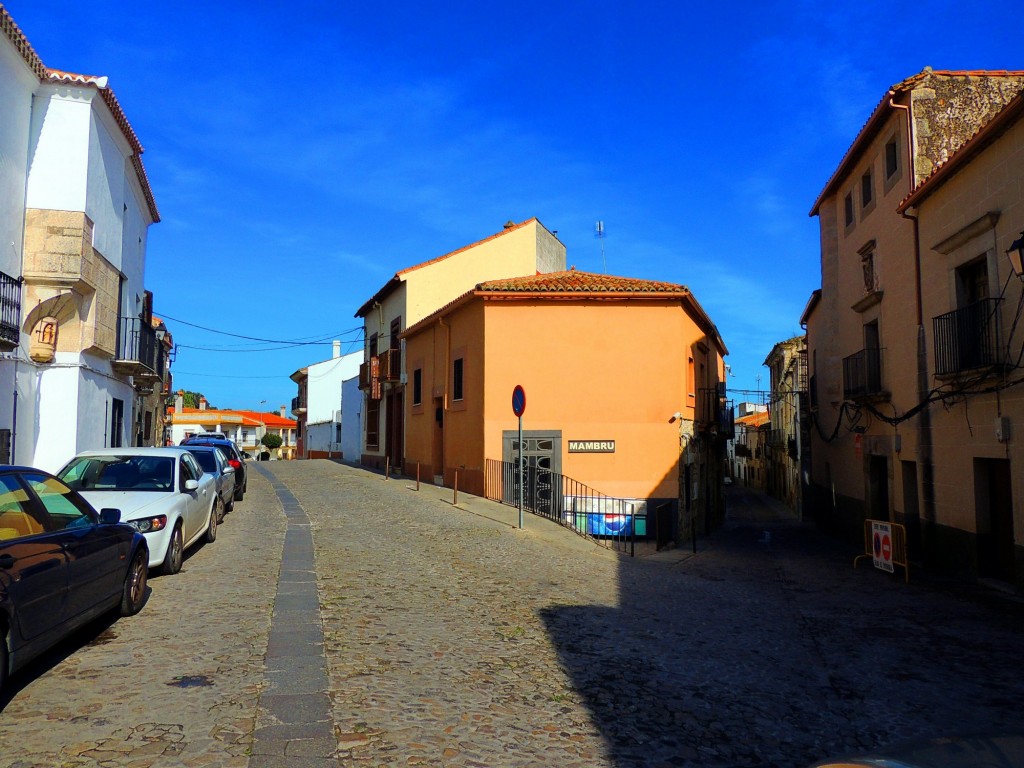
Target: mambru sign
(591,446)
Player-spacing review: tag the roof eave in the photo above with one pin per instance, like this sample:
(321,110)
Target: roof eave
(863,137)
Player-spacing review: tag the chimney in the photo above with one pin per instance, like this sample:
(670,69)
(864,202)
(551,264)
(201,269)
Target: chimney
(202,403)
(284,412)
(336,346)
(179,401)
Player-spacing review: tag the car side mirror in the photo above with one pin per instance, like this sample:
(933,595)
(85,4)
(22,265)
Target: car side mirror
(191,485)
(110,516)
(229,470)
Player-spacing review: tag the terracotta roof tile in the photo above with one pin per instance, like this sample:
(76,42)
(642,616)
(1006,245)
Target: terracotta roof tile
(21,44)
(572,281)
(57,76)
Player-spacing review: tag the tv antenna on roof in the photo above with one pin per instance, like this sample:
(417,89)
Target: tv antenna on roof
(599,233)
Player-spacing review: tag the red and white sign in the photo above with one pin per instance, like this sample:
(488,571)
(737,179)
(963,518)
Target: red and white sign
(881,545)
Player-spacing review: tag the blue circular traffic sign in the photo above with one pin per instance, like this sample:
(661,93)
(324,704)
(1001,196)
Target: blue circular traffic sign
(518,400)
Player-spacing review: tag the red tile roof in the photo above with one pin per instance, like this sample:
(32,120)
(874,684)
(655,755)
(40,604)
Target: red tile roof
(874,122)
(755,419)
(572,281)
(582,285)
(21,44)
(250,418)
(57,76)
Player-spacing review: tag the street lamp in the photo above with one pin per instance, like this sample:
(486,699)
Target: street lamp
(1016,254)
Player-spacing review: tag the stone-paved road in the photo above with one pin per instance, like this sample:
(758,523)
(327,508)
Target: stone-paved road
(452,639)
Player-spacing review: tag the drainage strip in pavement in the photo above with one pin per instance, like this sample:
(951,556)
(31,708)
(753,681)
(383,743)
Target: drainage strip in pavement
(294,727)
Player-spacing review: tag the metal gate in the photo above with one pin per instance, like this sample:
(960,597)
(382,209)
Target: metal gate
(542,457)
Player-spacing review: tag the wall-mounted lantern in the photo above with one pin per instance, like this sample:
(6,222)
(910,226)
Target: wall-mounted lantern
(1016,254)
(43,347)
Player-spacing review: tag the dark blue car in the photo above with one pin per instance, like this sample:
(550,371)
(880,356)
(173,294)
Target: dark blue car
(61,564)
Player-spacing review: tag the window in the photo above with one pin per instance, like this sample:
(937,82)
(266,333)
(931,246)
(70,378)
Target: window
(372,423)
(972,282)
(116,422)
(457,367)
(417,387)
(63,510)
(892,158)
(848,207)
(147,426)
(867,190)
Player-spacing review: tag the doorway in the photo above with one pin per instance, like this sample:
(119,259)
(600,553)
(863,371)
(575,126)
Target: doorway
(993,503)
(542,457)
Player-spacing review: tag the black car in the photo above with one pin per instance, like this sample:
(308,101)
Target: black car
(234,459)
(61,564)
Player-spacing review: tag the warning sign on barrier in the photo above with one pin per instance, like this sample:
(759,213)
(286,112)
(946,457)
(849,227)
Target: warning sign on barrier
(881,545)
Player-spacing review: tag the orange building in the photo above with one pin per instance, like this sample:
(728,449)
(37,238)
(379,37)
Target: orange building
(619,375)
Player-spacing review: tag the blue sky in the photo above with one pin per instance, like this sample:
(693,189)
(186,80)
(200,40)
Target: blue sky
(301,153)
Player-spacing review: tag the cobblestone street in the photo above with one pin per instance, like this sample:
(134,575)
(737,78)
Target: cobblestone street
(445,636)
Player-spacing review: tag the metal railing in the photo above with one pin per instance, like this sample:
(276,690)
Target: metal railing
(297,403)
(862,373)
(137,342)
(609,521)
(10,309)
(391,364)
(966,339)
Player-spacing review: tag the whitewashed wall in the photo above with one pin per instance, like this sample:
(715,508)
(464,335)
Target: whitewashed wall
(17,85)
(351,420)
(323,385)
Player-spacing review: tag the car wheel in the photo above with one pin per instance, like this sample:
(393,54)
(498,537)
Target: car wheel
(215,513)
(134,594)
(175,553)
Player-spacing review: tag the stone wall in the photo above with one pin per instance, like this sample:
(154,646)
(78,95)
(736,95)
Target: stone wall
(948,110)
(60,259)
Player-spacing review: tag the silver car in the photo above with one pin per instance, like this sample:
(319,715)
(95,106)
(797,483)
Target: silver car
(214,462)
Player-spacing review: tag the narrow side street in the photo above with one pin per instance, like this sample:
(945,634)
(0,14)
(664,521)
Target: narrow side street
(450,638)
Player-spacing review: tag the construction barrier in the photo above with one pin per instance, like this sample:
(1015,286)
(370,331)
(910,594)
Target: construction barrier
(887,548)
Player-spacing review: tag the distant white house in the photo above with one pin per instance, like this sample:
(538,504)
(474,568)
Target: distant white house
(319,406)
(79,353)
(352,423)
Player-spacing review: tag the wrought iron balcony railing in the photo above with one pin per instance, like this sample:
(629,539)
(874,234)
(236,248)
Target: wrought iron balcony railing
(862,374)
(10,310)
(298,405)
(966,339)
(137,350)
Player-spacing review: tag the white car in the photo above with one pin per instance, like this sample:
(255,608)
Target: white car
(162,492)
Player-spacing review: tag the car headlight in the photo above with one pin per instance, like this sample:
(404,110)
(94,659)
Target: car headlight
(149,524)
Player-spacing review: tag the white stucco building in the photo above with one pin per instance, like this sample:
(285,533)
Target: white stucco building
(319,408)
(75,207)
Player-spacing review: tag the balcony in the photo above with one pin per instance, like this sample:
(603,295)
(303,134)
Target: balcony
(298,405)
(391,365)
(714,413)
(137,352)
(862,375)
(966,339)
(10,311)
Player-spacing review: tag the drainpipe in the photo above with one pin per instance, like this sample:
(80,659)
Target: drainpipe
(924,425)
(444,400)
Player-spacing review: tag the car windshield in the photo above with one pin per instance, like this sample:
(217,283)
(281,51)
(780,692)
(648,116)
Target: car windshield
(206,460)
(120,473)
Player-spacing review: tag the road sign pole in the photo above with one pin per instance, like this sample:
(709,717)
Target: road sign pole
(521,472)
